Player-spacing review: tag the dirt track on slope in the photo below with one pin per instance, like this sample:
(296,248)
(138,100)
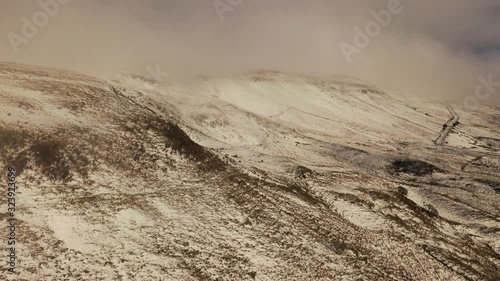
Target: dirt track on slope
(448,126)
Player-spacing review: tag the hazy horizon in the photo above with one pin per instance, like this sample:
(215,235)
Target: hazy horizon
(427,49)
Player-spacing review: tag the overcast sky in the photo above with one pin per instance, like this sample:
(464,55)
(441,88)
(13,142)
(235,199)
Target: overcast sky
(429,47)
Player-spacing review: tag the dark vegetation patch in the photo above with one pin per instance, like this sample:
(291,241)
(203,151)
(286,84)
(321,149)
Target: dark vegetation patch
(43,72)
(491,142)
(354,199)
(397,198)
(11,138)
(487,143)
(481,269)
(66,152)
(57,159)
(435,182)
(488,230)
(493,184)
(481,249)
(301,172)
(412,167)
(421,212)
(303,193)
(402,190)
(494,120)
(19,162)
(4,216)
(11,142)
(55,153)
(49,156)
(432,211)
(177,140)
(399,221)
(378,195)
(365,90)
(243,189)
(339,247)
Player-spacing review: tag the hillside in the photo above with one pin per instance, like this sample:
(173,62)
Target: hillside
(258,176)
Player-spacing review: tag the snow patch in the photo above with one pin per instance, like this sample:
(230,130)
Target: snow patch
(72,231)
(359,216)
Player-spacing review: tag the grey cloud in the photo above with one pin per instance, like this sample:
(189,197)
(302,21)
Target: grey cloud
(428,49)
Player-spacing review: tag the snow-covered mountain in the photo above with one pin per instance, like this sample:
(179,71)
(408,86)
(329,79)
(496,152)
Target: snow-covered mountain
(259,176)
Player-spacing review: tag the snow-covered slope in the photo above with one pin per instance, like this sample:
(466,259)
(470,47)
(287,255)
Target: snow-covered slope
(260,176)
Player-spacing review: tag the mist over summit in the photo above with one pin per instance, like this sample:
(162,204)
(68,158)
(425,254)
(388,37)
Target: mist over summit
(423,48)
(250,140)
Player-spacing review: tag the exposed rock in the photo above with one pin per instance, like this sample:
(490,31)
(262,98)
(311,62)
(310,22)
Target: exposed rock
(301,172)
(413,167)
